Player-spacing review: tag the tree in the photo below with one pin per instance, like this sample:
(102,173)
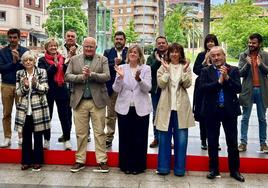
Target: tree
(161,5)
(236,22)
(132,36)
(74,18)
(92,6)
(180,24)
(206,23)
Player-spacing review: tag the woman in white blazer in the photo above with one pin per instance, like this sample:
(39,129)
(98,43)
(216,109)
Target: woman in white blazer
(133,107)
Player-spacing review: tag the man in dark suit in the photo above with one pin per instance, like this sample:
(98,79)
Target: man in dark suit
(116,56)
(220,83)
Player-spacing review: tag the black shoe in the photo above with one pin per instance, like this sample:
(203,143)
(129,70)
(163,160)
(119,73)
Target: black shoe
(109,144)
(204,145)
(237,176)
(136,172)
(61,139)
(127,172)
(213,175)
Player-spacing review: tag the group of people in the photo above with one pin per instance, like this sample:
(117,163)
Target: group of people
(84,85)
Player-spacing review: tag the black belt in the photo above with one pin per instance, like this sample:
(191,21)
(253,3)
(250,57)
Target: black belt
(87,98)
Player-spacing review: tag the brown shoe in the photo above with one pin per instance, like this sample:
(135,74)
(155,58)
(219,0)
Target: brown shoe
(154,144)
(77,167)
(102,167)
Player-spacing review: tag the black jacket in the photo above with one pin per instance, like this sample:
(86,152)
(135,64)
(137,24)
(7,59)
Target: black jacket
(211,87)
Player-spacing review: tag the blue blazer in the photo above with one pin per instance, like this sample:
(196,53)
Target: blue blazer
(111,54)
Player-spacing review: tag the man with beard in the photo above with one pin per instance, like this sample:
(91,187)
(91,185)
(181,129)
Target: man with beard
(253,68)
(154,61)
(116,56)
(9,64)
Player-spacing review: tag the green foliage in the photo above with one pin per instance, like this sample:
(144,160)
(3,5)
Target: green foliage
(179,23)
(237,21)
(132,36)
(74,18)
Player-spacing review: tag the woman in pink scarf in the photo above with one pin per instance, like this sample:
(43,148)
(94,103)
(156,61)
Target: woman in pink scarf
(53,62)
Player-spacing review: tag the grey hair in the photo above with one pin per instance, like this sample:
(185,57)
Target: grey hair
(27,55)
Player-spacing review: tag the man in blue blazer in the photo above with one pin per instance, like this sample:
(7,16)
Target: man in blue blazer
(220,84)
(116,56)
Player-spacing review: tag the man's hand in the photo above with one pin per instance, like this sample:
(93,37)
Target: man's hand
(224,73)
(248,60)
(258,60)
(72,51)
(117,61)
(86,72)
(15,55)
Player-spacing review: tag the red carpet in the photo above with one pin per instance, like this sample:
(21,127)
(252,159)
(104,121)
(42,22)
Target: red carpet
(194,163)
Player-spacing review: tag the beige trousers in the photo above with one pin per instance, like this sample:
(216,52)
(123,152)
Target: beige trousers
(8,92)
(82,115)
(111,118)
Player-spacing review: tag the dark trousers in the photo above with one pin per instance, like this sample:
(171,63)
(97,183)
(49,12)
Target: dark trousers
(155,98)
(229,124)
(29,155)
(63,107)
(203,130)
(133,140)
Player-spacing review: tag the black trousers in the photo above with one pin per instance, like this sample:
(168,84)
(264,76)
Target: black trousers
(203,129)
(133,140)
(229,124)
(63,106)
(29,155)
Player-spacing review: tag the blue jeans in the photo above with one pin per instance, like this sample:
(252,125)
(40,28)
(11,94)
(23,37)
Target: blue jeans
(261,110)
(155,98)
(180,137)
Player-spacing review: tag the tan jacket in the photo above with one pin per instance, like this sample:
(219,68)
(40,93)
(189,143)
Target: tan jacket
(99,75)
(185,115)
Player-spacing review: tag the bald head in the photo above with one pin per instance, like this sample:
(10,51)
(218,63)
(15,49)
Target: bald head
(217,56)
(89,46)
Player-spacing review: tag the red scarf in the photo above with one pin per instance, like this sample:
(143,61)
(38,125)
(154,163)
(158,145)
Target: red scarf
(59,76)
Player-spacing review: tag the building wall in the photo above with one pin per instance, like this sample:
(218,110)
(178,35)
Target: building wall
(16,12)
(143,12)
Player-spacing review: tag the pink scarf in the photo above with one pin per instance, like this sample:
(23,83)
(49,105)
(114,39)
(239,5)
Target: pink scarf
(59,76)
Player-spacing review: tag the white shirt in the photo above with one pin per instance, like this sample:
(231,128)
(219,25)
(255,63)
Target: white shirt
(29,109)
(174,83)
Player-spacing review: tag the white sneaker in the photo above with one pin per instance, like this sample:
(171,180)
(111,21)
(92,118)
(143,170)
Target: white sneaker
(20,141)
(68,145)
(6,143)
(46,144)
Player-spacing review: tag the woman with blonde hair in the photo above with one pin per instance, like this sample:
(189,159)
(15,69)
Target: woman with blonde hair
(53,62)
(32,115)
(173,115)
(133,107)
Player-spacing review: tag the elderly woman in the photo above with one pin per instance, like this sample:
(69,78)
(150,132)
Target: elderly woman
(53,62)
(133,107)
(202,60)
(174,115)
(32,115)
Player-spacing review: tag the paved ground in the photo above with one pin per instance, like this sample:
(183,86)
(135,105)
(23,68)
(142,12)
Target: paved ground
(59,176)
